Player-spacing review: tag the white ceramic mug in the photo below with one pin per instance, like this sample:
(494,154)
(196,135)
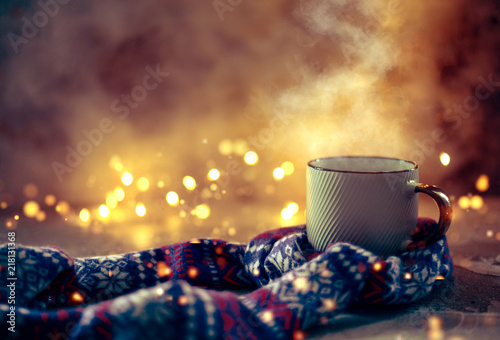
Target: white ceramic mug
(368,201)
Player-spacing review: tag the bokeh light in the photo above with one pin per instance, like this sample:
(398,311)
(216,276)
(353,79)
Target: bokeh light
(172,198)
(444,158)
(143,184)
(278,174)
(226,147)
(30,209)
(62,208)
(213,174)
(189,183)
(288,168)
(115,163)
(111,202)
(464,202)
(84,215)
(202,211)
(286,213)
(240,146)
(50,200)
(476,202)
(77,298)
(119,194)
(103,211)
(482,183)
(294,207)
(127,178)
(30,190)
(251,158)
(41,216)
(140,209)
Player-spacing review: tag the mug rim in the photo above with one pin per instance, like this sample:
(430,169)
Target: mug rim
(415,165)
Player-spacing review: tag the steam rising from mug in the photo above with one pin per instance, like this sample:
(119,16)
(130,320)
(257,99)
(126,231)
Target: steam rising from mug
(349,76)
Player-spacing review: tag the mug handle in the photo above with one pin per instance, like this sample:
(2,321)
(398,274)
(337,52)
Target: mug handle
(445,214)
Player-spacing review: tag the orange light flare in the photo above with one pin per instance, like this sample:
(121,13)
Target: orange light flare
(77,298)
(483,183)
(470,201)
(377,266)
(182,300)
(163,270)
(193,272)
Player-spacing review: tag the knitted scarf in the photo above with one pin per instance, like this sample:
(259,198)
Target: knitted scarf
(187,290)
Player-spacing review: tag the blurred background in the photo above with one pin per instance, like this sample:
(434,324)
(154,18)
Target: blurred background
(152,122)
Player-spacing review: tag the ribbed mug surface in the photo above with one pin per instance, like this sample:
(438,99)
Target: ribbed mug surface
(367,201)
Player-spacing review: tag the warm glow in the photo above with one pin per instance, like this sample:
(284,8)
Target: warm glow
(172,198)
(193,272)
(189,182)
(476,202)
(240,146)
(127,178)
(444,158)
(50,200)
(143,184)
(41,216)
(62,207)
(329,304)
(294,207)
(251,158)
(278,174)
(435,322)
(407,276)
(267,316)
(104,211)
(213,175)
(483,183)
(77,297)
(111,202)
(84,215)
(464,202)
(301,284)
(119,194)
(286,213)
(288,168)
(30,190)
(377,266)
(226,147)
(115,163)
(140,209)
(202,211)
(160,184)
(163,270)
(182,300)
(16,217)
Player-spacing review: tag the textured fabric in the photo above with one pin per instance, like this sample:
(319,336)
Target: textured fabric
(162,293)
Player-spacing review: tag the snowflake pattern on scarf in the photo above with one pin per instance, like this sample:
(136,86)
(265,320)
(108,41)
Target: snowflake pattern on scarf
(162,292)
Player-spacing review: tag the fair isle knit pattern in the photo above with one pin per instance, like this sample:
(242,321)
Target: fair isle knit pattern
(184,290)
